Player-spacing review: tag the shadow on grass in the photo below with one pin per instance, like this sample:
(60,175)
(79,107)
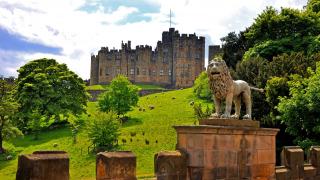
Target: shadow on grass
(44,136)
(133,121)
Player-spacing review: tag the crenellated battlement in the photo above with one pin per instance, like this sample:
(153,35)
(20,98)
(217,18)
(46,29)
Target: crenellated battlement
(160,66)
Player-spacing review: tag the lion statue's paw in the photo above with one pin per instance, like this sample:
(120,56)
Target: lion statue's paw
(247,116)
(235,116)
(225,116)
(215,115)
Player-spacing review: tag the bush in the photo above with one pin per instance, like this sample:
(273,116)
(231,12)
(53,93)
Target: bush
(201,87)
(103,130)
(300,112)
(199,113)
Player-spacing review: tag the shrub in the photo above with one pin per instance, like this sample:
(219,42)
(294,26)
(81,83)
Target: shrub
(201,87)
(103,130)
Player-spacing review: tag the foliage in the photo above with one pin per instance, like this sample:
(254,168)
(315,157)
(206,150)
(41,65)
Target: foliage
(82,164)
(46,90)
(103,130)
(290,30)
(75,124)
(300,111)
(201,87)
(234,46)
(199,113)
(8,108)
(120,96)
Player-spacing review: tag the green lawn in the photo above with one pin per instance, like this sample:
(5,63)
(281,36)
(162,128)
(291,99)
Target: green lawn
(141,86)
(155,126)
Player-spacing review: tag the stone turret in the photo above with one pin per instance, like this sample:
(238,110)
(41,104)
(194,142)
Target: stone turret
(176,61)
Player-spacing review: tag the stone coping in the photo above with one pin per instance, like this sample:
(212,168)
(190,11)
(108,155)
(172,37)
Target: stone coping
(46,155)
(208,129)
(229,122)
(117,154)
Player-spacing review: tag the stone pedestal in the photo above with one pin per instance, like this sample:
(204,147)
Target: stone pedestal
(43,165)
(170,165)
(119,165)
(228,152)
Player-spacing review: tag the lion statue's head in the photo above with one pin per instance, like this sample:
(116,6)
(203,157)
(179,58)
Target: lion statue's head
(220,80)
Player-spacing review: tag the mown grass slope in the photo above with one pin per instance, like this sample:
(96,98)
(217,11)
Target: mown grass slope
(147,132)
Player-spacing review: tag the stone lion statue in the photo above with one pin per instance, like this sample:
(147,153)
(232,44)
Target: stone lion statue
(225,88)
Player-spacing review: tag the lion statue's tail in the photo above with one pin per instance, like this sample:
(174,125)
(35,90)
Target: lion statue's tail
(257,89)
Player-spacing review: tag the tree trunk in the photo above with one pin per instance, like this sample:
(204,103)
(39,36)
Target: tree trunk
(1,147)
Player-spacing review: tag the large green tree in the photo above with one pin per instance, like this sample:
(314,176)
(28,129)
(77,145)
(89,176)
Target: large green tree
(8,108)
(300,112)
(119,97)
(288,30)
(46,90)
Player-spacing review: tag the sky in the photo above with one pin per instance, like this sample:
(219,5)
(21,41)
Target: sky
(71,30)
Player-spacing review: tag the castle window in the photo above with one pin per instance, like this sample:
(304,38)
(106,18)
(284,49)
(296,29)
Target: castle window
(137,71)
(197,56)
(107,72)
(144,72)
(131,71)
(169,72)
(161,72)
(153,72)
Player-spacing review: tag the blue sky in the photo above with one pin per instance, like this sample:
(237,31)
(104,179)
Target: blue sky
(70,30)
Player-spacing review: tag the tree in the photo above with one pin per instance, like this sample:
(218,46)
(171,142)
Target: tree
(48,90)
(119,97)
(300,112)
(103,130)
(201,87)
(8,108)
(289,30)
(234,46)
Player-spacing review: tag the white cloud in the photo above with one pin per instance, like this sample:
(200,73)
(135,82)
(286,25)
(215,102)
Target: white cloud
(79,33)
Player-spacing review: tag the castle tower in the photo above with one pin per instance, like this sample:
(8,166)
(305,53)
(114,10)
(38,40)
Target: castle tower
(175,62)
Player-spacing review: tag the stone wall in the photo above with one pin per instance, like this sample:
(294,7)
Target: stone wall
(176,61)
(43,165)
(293,166)
(173,165)
(95,93)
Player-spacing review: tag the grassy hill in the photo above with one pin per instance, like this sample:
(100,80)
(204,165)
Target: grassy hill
(154,126)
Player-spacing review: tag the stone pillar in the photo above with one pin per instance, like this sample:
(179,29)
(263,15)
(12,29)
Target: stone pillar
(235,151)
(116,166)
(43,165)
(170,165)
(292,158)
(315,159)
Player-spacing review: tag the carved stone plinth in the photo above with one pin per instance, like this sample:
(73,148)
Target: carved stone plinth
(43,165)
(119,165)
(228,152)
(170,165)
(228,122)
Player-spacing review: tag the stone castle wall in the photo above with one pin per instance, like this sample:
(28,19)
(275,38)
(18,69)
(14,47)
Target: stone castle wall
(176,61)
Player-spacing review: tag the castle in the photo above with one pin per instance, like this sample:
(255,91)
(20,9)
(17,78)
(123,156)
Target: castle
(176,61)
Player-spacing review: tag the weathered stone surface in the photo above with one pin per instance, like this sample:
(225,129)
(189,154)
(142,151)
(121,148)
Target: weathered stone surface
(173,62)
(170,165)
(228,152)
(116,166)
(43,165)
(282,173)
(315,157)
(292,157)
(228,122)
